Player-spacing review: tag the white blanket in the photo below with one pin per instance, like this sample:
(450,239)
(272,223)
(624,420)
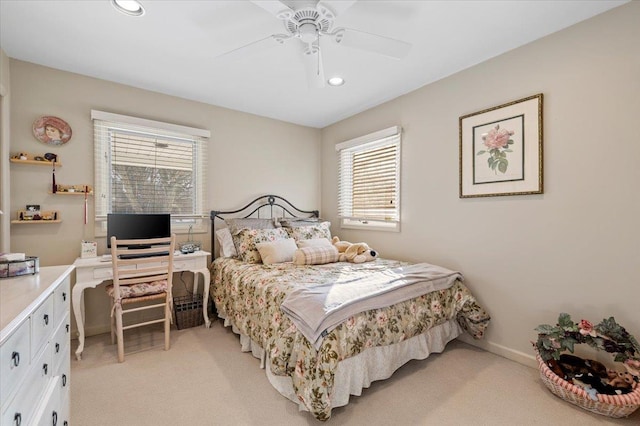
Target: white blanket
(316,309)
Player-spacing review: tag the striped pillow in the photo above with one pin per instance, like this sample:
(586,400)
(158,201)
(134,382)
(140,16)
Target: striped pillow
(316,255)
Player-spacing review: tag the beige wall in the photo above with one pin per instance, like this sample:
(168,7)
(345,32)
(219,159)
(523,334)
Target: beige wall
(248,156)
(576,248)
(4,152)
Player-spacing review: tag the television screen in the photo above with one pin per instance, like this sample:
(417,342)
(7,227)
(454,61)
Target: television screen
(127,226)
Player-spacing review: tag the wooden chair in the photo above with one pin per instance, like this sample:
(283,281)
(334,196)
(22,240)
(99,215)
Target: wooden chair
(140,275)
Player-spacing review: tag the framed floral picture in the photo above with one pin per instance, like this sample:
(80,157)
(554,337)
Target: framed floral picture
(501,150)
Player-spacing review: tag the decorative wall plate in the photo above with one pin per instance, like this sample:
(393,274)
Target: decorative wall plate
(51,130)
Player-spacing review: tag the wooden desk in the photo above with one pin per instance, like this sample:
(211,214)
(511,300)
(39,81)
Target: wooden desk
(91,272)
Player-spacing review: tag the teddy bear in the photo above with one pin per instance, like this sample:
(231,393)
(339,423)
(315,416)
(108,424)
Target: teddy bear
(622,380)
(360,253)
(354,252)
(572,365)
(340,245)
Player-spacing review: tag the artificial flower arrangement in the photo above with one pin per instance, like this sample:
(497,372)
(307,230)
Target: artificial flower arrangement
(588,383)
(608,336)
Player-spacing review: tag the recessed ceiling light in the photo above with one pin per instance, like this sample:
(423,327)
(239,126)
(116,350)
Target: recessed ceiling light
(128,7)
(336,81)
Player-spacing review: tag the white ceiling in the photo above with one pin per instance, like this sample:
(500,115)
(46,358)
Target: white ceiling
(175,48)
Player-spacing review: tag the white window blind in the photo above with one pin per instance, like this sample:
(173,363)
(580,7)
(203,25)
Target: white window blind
(144,166)
(369,181)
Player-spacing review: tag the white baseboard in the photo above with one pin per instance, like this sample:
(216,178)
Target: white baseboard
(91,331)
(520,357)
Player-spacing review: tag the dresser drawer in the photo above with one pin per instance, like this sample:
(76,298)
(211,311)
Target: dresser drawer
(107,273)
(48,412)
(15,358)
(103,273)
(22,407)
(183,264)
(21,410)
(42,325)
(62,300)
(64,372)
(60,342)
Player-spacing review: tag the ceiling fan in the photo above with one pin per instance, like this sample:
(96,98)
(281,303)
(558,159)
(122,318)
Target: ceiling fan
(312,21)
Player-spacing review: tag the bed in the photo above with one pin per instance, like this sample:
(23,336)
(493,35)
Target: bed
(256,297)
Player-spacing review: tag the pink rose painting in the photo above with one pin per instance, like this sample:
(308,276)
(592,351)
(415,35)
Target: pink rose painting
(497,143)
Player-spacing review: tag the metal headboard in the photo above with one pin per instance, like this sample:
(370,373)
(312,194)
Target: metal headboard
(267,202)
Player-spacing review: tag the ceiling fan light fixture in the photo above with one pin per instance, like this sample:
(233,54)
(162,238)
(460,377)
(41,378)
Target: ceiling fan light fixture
(336,81)
(128,7)
(308,33)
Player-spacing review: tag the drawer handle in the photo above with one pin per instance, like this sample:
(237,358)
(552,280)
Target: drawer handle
(64,297)
(45,368)
(17,419)
(15,358)
(65,423)
(67,327)
(57,347)
(64,380)
(46,319)
(54,418)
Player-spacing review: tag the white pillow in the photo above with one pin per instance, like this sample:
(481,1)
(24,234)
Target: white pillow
(227,248)
(277,251)
(315,242)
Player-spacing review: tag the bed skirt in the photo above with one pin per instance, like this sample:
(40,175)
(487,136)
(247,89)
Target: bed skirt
(358,372)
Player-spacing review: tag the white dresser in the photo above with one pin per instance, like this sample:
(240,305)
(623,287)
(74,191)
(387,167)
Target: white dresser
(35,348)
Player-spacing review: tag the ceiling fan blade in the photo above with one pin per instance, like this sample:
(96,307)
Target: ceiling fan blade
(276,8)
(257,46)
(372,42)
(331,9)
(314,69)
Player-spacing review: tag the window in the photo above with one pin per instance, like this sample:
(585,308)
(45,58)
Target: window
(144,166)
(369,181)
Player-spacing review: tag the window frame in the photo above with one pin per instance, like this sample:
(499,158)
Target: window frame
(382,138)
(180,224)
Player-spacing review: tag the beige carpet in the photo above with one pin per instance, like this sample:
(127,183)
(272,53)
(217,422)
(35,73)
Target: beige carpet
(204,379)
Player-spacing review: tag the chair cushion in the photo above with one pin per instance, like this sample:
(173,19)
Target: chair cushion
(140,289)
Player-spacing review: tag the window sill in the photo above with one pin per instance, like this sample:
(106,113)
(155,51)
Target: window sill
(371,225)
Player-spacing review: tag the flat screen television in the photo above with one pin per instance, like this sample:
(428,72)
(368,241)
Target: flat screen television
(129,226)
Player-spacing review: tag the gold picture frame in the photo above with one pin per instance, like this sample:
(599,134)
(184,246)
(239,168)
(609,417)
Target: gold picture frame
(501,150)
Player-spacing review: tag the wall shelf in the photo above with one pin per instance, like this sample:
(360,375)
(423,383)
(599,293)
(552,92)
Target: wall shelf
(70,193)
(30,159)
(36,221)
(46,216)
(73,190)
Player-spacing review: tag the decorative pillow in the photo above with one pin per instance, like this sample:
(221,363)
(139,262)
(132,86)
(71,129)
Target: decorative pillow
(246,240)
(235,225)
(289,222)
(315,242)
(278,251)
(227,248)
(317,255)
(319,230)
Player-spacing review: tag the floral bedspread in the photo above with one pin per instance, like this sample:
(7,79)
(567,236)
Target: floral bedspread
(249,295)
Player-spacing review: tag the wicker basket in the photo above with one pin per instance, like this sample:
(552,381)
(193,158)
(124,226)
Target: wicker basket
(188,311)
(608,405)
